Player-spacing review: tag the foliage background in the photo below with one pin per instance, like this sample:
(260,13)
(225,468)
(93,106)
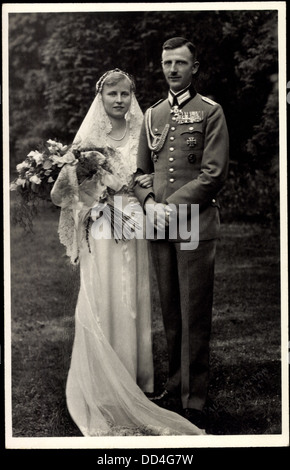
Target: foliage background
(55,60)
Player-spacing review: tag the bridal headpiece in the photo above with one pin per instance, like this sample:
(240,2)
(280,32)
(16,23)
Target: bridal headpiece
(102,79)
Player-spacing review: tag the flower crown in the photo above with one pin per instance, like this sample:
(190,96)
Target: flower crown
(100,82)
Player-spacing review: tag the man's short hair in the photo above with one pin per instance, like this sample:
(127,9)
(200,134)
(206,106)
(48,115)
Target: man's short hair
(174,43)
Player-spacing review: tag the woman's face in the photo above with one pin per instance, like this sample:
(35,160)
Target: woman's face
(117,98)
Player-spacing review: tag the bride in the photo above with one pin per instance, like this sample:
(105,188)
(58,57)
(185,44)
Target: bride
(112,365)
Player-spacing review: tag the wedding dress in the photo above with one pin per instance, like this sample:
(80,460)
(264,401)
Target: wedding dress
(111,364)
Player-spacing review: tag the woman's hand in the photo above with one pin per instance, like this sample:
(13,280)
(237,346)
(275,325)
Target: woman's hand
(145,181)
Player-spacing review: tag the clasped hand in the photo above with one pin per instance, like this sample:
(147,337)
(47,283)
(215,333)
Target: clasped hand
(145,181)
(160,213)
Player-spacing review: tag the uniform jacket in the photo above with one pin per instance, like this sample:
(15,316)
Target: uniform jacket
(192,165)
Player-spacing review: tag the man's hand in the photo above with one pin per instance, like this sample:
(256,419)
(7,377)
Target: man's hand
(158,213)
(145,181)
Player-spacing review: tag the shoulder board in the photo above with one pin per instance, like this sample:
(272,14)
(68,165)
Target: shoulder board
(208,100)
(155,104)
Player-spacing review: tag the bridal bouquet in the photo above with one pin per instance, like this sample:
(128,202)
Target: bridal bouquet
(40,169)
(72,178)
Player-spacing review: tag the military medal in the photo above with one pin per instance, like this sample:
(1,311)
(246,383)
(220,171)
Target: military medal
(176,113)
(190,117)
(191,141)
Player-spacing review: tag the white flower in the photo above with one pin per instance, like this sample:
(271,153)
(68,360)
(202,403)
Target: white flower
(51,142)
(22,165)
(20,182)
(37,156)
(56,146)
(57,160)
(35,179)
(67,158)
(47,164)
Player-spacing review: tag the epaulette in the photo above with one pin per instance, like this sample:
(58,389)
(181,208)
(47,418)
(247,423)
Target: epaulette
(155,104)
(208,100)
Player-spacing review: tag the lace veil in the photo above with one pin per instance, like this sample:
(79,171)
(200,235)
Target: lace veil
(93,133)
(96,126)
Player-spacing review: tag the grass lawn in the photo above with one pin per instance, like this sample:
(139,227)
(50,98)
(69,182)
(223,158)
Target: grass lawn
(245,391)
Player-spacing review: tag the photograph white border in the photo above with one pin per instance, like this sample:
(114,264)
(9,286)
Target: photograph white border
(139,442)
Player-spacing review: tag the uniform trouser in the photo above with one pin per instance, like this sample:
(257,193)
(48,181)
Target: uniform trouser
(185,280)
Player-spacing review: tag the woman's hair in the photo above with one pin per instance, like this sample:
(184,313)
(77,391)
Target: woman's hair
(174,43)
(112,77)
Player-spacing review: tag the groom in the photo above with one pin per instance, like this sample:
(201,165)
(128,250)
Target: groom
(184,142)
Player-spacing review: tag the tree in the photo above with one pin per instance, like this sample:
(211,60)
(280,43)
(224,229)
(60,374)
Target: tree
(27,33)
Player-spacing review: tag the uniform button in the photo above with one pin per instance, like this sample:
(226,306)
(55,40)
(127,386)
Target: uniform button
(156,130)
(214,201)
(172,138)
(171,170)
(171,149)
(171,159)
(173,128)
(191,128)
(171,180)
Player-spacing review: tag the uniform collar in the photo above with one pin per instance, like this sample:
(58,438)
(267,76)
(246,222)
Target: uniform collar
(182,97)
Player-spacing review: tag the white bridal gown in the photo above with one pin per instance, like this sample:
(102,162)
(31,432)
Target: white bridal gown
(111,364)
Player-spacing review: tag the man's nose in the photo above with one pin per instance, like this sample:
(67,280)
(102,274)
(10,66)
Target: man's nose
(173,67)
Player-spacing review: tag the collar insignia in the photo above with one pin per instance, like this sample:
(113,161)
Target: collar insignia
(181,98)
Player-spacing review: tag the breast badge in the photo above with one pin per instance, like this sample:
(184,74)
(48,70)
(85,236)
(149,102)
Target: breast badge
(191,142)
(191,158)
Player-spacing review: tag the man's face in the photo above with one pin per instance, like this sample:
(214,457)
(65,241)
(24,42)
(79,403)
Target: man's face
(178,67)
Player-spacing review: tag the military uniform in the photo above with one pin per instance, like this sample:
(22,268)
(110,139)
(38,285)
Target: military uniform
(184,141)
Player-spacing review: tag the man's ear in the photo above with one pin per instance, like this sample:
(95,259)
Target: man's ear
(195,67)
